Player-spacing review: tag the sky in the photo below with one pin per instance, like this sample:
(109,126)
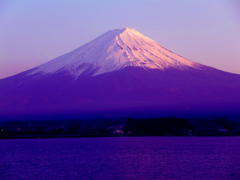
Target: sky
(34,32)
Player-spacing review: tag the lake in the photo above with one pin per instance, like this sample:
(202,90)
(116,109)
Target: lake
(132,158)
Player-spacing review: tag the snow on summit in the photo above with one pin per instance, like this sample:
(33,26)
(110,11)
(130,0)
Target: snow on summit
(115,50)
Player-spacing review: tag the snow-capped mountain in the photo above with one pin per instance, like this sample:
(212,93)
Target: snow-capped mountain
(121,71)
(113,51)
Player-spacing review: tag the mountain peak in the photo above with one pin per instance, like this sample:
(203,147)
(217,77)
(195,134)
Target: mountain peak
(127,29)
(129,33)
(115,50)
(130,30)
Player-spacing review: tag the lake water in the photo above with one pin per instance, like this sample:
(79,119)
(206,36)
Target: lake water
(137,158)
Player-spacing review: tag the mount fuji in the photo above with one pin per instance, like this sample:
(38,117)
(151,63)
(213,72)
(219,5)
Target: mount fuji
(121,71)
(113,51)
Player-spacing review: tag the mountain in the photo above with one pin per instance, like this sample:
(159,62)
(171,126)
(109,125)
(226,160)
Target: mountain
(123,72)
(113,51)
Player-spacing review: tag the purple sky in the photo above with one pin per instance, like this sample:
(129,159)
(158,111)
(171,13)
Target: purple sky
(33,32)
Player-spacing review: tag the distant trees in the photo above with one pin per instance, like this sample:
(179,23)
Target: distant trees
(169,126)
(158,127)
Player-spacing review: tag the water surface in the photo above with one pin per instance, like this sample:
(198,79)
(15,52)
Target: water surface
(120,158)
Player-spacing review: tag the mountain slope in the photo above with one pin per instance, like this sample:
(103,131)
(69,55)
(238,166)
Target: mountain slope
(115,50)
(121,71)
